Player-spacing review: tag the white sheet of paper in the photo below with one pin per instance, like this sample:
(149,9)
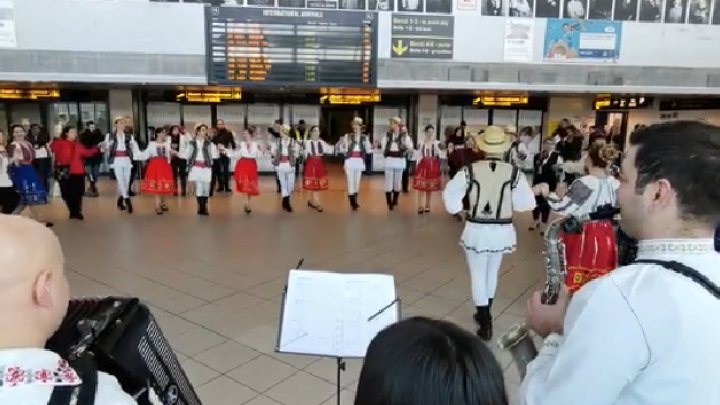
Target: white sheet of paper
(326,313)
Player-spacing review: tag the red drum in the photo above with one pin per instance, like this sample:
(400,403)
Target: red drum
(427,175)
(246,177)
(590,254)
(158,178)
(314,175)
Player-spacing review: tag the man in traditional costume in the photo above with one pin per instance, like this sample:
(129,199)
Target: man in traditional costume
(495,189)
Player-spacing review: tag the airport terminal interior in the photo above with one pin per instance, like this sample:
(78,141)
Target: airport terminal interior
(213,269)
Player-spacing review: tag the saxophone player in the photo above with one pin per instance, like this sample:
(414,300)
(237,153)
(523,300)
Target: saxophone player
(495,189)
(646,333)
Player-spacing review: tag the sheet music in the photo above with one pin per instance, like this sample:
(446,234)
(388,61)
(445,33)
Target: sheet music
(327,314)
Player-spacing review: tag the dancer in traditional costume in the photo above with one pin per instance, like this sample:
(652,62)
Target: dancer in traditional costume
(427,175)
(495,189)
(246,169)
(120,147)
(314,176)
(356,147)
(200,153)
(285,151)
(25,180)
(9,198)
(395,146)
(547,165)
(158,179)
(178,142)
(591,249)
(69,171)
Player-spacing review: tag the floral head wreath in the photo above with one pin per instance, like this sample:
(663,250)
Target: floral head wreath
(607,153)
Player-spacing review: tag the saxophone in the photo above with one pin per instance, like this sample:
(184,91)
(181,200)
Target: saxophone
(518,339)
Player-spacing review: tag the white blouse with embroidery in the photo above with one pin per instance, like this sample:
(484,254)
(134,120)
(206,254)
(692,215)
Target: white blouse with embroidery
(29,376)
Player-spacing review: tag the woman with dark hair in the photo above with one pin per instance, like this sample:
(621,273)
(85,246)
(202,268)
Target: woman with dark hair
(427,175)
(456,153)
(545,172)
(315,177)
(420,361)
(42,162)
(590,250)
(200,153)
(246,169)
(158,179)
(70,169)
(24,177)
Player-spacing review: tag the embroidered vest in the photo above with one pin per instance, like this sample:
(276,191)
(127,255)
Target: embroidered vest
(113,147)
(354,142)
(205,153)
(489,188)
(316,151)
(428,151)
(400,140)
(290,154)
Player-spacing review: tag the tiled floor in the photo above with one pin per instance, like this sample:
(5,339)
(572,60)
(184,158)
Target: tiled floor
(215,283)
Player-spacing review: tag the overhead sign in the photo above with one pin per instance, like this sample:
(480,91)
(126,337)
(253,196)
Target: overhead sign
(519,40)
(607,102)
(422,36)
(290,47)
(575,41)
(28,94)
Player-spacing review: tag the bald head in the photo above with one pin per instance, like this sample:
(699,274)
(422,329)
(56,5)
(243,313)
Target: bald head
(33,287)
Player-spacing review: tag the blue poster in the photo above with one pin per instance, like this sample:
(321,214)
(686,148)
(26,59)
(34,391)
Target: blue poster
(582,41)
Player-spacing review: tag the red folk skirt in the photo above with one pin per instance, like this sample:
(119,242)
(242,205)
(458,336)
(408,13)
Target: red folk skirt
(158,178)
(246,176)
(591,254)
(427,175)
(314,175)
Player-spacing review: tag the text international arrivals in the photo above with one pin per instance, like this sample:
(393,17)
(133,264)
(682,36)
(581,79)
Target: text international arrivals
(292,13)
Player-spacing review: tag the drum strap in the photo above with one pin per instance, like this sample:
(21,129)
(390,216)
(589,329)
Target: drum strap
(84,394)
(688,272)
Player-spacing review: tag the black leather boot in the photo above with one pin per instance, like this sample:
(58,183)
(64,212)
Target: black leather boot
(204,206)
(388,200)
(395,198)
(129,206)
(350,200)
(289,207)
(355,202)
(120,204)
(486,329)
(199,205)
(479,319)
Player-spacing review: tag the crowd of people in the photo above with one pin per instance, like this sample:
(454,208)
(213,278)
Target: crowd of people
(639,332)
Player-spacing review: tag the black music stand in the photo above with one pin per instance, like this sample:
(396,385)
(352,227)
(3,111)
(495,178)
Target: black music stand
(341,365)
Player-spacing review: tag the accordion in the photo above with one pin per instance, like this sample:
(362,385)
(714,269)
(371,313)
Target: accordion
(124,341)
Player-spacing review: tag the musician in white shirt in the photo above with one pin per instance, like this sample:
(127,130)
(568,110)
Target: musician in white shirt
(644,334)
(34,298)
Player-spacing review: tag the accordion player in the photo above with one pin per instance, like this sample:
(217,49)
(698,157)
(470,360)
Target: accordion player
(120,336)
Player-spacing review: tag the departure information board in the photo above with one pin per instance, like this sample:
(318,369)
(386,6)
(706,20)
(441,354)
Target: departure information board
(291,47)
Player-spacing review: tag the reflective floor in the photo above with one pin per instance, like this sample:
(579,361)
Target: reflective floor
(214,283)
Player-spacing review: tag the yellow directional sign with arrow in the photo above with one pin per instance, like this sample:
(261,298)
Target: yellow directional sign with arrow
(399,48)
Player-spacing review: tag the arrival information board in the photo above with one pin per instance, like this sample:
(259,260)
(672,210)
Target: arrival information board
(291,47)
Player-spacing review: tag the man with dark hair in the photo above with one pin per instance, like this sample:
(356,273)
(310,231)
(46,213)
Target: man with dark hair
(646,333)
(226,139)
(91,138)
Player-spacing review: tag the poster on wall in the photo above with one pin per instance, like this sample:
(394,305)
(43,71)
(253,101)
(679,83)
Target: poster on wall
(529,118)
(601,9)
(574,41)
(518,40)
(547,8)
(575,9)
(651,11)
(492,8)
(626,10)
(716,13)
(467,4)
(422,36)
(521,8)
(308,113)
(8,38)
(675,11)
(412,6)
(196,114)
(161,114)
(699,12)
(505,118)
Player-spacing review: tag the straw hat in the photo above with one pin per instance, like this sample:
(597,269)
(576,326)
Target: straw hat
(511,130)
(493,140)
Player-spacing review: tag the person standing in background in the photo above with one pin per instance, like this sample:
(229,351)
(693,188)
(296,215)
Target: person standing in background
(275,131)
(42,162)
(301,135)
(9,198)
(91,138)
(178,142)
(226,139)
(546,166)
(70,169)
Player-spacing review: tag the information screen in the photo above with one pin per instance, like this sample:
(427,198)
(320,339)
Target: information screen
(290,47)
